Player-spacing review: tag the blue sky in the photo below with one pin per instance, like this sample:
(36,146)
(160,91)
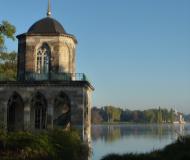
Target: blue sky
(136,52)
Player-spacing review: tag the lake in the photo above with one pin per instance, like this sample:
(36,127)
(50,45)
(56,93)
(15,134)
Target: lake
(136,138)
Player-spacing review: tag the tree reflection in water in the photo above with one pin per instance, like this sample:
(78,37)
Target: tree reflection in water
(110,133)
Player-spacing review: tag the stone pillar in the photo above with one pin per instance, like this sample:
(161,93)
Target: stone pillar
(27,110)
(3,115)
(89,105)
(87,115)
(50,115)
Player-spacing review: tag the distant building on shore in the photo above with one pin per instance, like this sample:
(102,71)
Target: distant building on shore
(179,119)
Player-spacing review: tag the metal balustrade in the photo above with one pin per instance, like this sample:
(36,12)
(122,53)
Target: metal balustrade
(49,77)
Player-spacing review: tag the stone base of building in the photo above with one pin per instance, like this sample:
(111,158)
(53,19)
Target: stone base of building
(42,105)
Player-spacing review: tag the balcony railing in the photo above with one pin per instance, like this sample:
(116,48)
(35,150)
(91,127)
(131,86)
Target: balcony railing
(50,77)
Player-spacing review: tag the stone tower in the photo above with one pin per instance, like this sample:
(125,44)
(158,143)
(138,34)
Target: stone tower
(48,93)
(44,50)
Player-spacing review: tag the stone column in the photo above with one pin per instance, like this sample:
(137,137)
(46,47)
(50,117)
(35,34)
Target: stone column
(87,115)
(50,114)
(27,110)
(87,120)
(3,110)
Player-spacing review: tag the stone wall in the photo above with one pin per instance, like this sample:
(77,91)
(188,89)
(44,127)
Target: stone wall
(79,96)
(62,53)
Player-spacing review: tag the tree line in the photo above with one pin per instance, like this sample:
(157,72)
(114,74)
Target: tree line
(8,60)
(113,114)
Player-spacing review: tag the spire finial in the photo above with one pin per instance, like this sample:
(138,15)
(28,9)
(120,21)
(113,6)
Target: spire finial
(49,9)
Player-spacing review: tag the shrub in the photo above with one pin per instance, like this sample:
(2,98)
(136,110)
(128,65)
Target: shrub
(68,145)
(50,145)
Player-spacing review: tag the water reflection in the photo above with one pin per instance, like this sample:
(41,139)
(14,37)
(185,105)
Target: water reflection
(133,138)
(110,133)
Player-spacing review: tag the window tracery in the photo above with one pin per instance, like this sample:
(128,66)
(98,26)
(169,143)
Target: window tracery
(42,59)
(39,111)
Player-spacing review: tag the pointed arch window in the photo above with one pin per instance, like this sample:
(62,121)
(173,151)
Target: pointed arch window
(39,111)
(43,59)
(15,113)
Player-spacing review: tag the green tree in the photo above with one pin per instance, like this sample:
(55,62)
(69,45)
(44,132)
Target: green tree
(159,115)
(7,30)
(8,65)
(112,113)
(149,116)
(8,61)
(171,115)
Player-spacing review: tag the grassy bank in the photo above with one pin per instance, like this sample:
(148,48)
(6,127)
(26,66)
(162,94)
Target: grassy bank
(51,145)
(180,150)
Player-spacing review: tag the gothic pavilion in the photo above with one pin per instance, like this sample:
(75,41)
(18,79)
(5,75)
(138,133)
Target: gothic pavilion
(48,93)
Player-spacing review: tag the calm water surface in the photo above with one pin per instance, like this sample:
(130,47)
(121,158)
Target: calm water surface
(133,138)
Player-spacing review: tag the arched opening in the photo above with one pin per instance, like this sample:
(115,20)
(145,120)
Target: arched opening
(15,113)
(39,111)
(62,111)
(43,59)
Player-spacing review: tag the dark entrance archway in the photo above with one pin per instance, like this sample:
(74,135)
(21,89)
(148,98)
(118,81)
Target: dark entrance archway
(15,113)
(62,111)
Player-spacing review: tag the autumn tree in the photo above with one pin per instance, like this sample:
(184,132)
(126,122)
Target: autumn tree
(96,118)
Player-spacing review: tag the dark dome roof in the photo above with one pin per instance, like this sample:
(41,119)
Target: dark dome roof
(47,26)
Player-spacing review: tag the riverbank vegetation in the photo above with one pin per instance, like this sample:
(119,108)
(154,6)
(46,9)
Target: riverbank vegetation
(111,115)
(179,150)
(49,145)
